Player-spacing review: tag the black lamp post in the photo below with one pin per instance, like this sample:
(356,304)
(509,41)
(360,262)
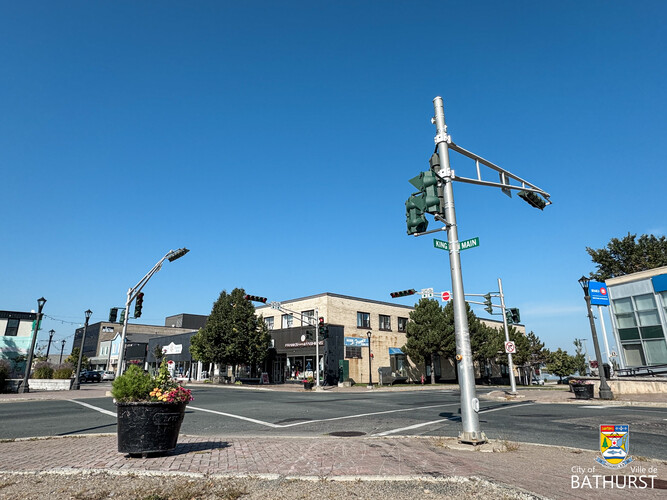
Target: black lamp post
(62,348)
(51,332)
(370,359)
(76,386)
(24,386)
(605,390)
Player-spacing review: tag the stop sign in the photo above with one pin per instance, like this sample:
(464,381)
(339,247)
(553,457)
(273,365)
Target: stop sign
(445,296)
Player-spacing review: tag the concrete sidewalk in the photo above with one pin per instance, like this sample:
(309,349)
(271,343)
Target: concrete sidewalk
(547,471)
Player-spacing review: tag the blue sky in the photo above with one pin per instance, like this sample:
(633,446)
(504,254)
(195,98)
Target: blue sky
(276,141)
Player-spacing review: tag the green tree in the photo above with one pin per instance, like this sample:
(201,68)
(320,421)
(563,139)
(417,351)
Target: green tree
(429,334)
(628,256)
(73,359)
(561,363)
(233,334)
(579,358)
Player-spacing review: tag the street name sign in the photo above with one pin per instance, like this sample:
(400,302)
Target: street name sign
(463,245)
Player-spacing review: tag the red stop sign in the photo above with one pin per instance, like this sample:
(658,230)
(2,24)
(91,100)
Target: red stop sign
(445,296)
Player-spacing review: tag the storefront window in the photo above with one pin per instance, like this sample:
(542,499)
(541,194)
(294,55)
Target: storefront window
(634,355)
(399,365)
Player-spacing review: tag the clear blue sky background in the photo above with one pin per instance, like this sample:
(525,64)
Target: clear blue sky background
(276,140)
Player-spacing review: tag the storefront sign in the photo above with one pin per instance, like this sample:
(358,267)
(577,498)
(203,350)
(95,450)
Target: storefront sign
(172,349)
(598,293)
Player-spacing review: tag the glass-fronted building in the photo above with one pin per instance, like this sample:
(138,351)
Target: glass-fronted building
(639,316)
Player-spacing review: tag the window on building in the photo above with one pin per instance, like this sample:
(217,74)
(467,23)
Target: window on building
(310,313)
(656,352)
(634,355)
(352,351)
(12,329)
(287,321)
(385,323)
(363,320)
(402,324)
(269,322)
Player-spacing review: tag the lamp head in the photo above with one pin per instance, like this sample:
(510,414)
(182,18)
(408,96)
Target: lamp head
(177,254)
(40,303)
(368,334)
(583,281)
(88,314)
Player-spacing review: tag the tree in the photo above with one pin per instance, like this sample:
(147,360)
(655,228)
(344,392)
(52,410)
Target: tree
(233,334)
(626,256)
(73,359)
(429,334)
(579,358)
(561,363)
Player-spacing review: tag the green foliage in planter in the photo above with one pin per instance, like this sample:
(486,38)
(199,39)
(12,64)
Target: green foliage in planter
(63,371)
(42,370)
(133,385)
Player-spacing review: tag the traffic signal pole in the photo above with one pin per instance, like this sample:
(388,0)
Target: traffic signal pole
(507,337)
(471,432)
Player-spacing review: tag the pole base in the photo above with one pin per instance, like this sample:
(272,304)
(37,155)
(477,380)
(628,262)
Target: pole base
(606,394)
(472,437)
(23,389)
(369,386)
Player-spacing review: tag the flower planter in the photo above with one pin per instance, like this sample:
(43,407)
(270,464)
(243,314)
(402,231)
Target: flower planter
(148,428)
(583,391)
(308,385)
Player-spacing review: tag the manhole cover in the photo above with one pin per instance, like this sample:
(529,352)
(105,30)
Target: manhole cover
(347,434)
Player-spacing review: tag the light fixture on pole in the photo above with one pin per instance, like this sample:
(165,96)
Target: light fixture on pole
(605,390)
(132,294)
(76,386)
(370,359)
(62,348)
(51,332)
(24,386)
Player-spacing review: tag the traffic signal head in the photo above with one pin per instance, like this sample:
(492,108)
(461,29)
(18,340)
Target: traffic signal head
(138,304)
(113,314)
(322,329)
(427,183)
(403,293)
(516,317)
(255,298)
(488,303)
(533,199)
(414,215)
(122,315)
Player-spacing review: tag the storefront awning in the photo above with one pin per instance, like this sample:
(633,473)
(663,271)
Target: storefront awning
(395,350)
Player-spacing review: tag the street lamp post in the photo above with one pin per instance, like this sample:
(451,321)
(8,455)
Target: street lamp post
(76,386)
(605,390)
(62,348)
(132,293)
(370,360)
(51,332)
(24,386)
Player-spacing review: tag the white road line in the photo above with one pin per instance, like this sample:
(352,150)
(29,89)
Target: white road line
(595,407)
(253,420)
(283,426)
(424,424)
(96,408)
(368,414)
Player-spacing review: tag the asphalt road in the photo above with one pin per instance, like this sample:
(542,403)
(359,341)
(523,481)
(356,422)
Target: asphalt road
(220,411)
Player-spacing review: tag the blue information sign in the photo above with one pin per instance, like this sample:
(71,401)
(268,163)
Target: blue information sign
(356,341)
(598,293)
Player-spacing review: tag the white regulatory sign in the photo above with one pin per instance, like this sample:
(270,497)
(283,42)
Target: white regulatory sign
(510,348)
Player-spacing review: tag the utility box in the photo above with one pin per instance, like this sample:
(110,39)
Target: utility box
(343,370)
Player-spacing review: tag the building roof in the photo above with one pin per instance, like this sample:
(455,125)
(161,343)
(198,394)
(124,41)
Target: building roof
(641,275)
(329,294)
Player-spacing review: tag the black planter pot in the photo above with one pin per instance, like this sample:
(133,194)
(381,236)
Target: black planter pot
(148,428)
(308,385)
(583,391)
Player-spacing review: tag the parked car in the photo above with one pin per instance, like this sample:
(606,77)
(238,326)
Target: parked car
(90,376)
(108,375)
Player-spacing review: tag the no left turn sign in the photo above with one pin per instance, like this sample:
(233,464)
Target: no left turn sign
(510,348)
